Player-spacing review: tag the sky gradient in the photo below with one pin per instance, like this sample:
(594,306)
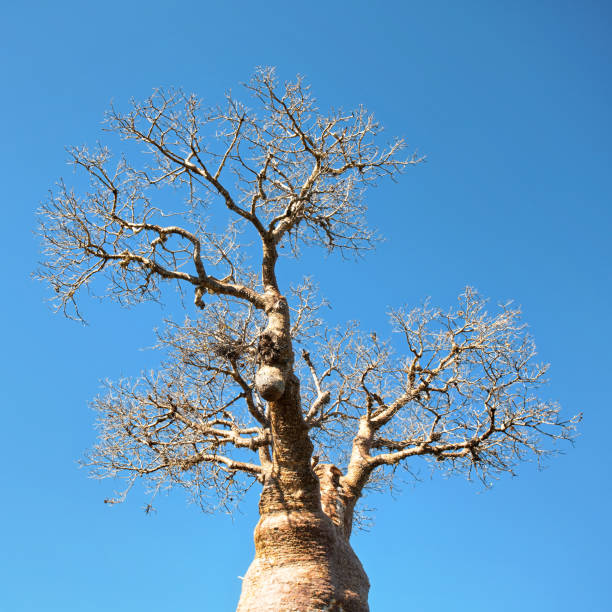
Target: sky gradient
(510,102)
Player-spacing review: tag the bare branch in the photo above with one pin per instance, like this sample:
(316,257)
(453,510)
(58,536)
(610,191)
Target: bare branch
(466,397)
(232,405)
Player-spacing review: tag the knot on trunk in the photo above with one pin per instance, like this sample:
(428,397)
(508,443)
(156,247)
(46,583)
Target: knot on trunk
(270,383)
(274,355)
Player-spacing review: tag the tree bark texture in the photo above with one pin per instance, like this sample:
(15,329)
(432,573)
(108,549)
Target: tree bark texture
(303,559)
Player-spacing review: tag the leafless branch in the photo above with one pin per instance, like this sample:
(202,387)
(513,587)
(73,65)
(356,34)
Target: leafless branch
(465,392)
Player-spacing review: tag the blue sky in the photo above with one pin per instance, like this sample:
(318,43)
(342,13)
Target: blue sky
(511,104)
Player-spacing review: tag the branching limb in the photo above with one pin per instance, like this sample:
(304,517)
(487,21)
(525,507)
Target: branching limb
(467,396)
(198,418)
(230,464)
(322,398)
(113,231)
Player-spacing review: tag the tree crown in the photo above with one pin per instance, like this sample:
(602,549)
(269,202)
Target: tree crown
(463,391)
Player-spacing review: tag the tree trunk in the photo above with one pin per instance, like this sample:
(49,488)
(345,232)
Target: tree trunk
(303,559)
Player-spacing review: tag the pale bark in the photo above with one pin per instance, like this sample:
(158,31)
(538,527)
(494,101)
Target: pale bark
(303,558)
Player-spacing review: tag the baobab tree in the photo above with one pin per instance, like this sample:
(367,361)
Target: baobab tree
(255,388)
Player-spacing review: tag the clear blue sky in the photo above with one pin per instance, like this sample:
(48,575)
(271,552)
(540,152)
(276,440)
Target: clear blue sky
(511,103)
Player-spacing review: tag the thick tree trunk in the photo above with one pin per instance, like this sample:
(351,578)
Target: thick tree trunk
(303,559)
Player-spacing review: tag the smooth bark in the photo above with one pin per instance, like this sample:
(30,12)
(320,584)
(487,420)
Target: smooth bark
(303,558)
